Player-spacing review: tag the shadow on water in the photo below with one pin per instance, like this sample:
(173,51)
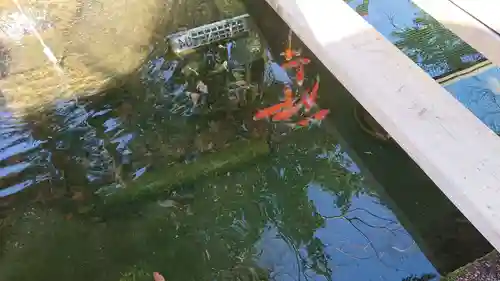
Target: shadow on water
(116,185)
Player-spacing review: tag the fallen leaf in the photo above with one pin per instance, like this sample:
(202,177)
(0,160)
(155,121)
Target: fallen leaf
(158,277)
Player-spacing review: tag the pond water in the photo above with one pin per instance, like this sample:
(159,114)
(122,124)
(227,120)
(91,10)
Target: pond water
(440,53)
(163,176)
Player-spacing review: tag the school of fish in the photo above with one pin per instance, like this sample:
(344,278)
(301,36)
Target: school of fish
(304,107)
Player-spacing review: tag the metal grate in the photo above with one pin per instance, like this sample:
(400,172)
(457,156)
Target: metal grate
(189,40)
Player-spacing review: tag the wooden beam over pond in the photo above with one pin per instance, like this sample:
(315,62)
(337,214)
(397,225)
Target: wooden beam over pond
(486,11)
(475,21)
(452,146)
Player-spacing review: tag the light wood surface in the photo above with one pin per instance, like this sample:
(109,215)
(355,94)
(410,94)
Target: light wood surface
(485,11)
(458,152)
(466,26)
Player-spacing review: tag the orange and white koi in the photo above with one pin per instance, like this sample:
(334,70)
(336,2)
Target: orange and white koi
(295,63)
(306,101)
(270,111)
(299,76)
(309,100)
(315,119)
(303,123)
(286,114)
(319,116)
(289,53)
(288,95)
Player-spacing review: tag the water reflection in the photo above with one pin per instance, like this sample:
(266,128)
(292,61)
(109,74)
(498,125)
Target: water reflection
(297,214)
(210,193)
(479,93)
(440,53)
(368,237)
(428,43)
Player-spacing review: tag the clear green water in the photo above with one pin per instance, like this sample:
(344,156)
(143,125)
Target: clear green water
(136,180)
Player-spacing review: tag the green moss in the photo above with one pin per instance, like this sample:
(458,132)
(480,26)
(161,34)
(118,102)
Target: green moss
(477,270)
(163,179)
(136,274)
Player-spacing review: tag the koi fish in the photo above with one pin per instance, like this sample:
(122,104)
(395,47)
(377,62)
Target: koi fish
(289,53)
(288,95)
(286,114)
(295,63)
(315,119)
(304,122)
(320,115)
(269,111)
(314,92)
(158,277)
(299,76)
(309,100)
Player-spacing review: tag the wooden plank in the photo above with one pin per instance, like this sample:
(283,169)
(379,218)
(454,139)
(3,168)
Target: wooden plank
(472,31)
(486,11)
(457,151)
(465,73)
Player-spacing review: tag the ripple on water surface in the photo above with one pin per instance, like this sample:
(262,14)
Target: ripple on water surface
(296,208)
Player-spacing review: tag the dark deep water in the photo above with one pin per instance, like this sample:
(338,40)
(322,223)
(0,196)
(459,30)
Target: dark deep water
(156,178)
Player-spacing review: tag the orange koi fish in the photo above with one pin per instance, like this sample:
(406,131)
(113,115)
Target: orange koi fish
(309,100)
(269,111)
(304,122)
(289,53)
(286,114)
(320,115)
(315,119)
(295,63)
(314,92)
(306,101)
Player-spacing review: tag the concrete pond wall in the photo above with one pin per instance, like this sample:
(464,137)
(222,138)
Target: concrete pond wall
(486,268)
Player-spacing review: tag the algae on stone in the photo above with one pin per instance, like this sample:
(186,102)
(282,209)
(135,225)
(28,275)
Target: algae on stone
(486,268)
(164,178)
